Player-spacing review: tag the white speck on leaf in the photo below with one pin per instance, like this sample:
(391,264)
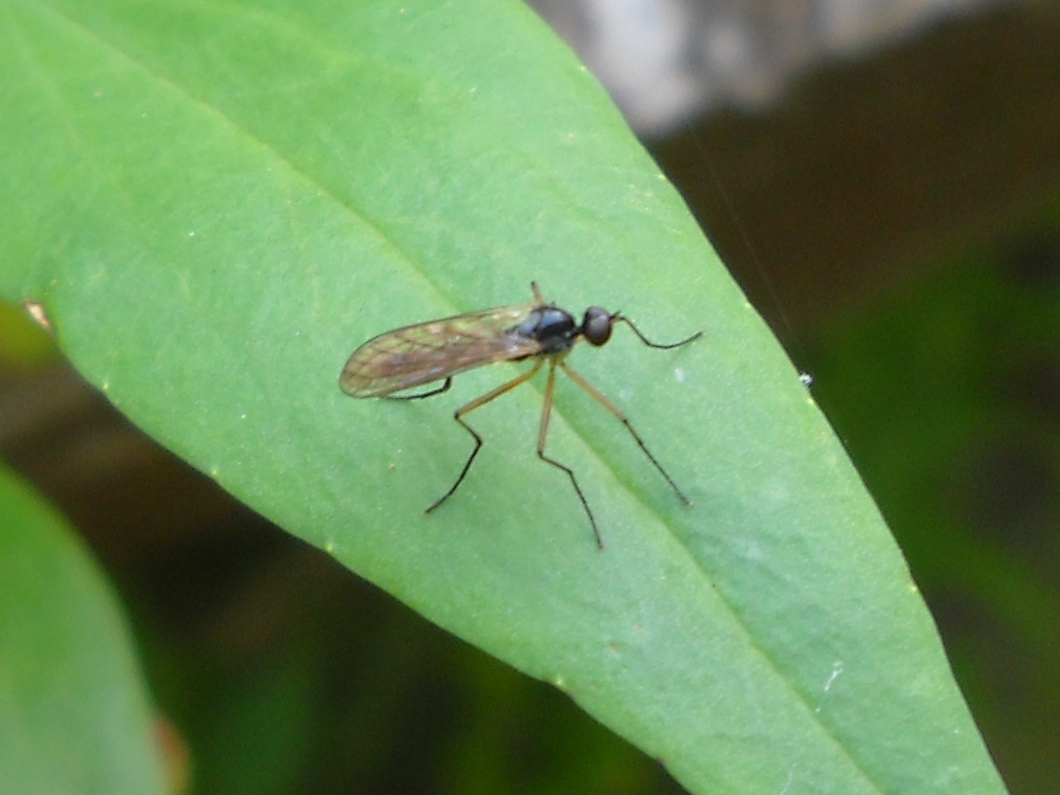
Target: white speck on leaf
(837,669)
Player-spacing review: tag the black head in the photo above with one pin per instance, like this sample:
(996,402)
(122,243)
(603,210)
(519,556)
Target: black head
(597,325)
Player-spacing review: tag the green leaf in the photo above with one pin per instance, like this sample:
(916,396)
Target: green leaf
(216,203)
(73,711)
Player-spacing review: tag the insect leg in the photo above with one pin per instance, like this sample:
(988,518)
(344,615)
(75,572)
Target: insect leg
(607,404)
(542,435)
(622,319)
(467,409)
(443,388)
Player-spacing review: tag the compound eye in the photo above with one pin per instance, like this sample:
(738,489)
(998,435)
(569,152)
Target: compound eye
(597,325)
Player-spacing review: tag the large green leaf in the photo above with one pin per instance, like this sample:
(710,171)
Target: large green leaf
(217,203)
(73,712)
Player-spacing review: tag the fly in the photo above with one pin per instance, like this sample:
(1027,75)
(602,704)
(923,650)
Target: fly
(423,353)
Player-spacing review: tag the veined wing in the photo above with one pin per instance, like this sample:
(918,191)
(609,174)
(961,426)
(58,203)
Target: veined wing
(425,352)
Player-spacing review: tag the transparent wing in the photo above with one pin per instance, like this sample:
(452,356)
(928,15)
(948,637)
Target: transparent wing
(416,355)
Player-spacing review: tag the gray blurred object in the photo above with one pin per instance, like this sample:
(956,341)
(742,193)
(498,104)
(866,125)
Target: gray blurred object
(666,62)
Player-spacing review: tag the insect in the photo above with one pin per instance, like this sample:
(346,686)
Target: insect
(423,353)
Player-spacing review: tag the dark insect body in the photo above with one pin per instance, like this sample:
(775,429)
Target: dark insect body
(423,353)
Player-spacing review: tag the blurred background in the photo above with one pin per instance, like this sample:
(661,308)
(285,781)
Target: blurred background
(883,178)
